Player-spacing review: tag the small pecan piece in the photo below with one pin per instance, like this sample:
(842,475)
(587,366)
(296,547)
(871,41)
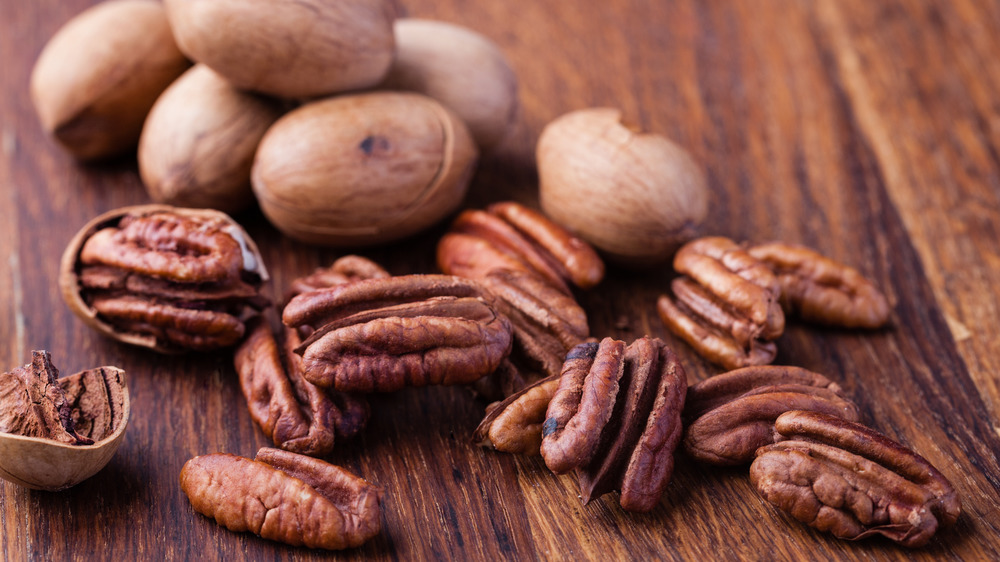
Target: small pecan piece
(510,236)
(514,425)
(285,497)
(726,304)
(852,481)
(731,415)
(616,419)
(821,290)
(165,278)
(384,334)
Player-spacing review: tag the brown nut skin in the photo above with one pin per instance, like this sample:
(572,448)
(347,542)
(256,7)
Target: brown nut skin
(284,497)
(363,169)
(460,68)
(635,196)
(97,77)
(199,140)
(849,480)
(514,425)
(289,49)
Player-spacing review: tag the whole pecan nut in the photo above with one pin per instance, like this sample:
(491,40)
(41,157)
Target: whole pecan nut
(821,290)
(285,497)
(162,277)
(514,425)
(849,480)
(729,416)
(616,419)
(384,334)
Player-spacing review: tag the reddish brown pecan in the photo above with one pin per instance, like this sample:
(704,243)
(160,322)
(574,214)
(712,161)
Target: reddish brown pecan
(346,269)
(821,290)
(285,497)
(849,480)
(731,415)
(514,425)
(383,334)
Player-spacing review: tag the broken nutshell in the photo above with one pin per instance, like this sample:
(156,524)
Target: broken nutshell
(165,278)
(285,497)
(56,433)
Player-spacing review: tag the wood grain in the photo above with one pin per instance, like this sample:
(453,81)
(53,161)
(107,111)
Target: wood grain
(867,130)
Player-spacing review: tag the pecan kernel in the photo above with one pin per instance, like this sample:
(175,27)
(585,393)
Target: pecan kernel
(514,425)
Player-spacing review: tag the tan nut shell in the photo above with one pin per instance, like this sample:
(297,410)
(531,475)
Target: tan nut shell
(363,169)
(44,464)
(637,197)
(198,143)
(69,281)
(461,69)
(100,73)
(298,49)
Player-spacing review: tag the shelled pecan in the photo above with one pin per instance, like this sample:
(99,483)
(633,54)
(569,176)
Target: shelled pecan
(849,480)
(166,278)
(726,304)
(384,334)
(514,425)
(346,269)
(821,290)
(616,419)
(729,416)
(285,497)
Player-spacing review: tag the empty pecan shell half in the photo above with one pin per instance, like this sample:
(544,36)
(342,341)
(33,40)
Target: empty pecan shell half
(412,330)
(821,290)
(284,497)
(514,425)
(508,235)
(616,419)
(730,415)
(849,480)
(165,278)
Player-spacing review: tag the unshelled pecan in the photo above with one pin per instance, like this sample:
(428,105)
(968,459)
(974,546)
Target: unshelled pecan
(616,419)
(166,278)
(511,236)
(346,269)
(285,497)
(729,416)
(849,480)
(514,425)
(821,290)
(384,334)
(725,305)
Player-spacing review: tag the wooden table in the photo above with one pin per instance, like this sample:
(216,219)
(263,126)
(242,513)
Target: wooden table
(867,130)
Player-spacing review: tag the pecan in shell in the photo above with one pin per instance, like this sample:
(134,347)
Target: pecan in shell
(33,403)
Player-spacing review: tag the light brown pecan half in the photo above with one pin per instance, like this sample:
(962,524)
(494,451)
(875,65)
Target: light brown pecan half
(616,419)
(511,236)
(165,278)
(729,416)
(514,425)
(821,290)
(284,497)
(849,480)
(413,330)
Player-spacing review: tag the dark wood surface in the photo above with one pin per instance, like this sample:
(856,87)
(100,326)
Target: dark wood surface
(867,130)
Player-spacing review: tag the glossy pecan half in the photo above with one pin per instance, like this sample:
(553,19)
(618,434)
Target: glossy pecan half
(821,290)
(346,269)
(514,425)
(729,416)
(412,330)
(849,480)
(284,497)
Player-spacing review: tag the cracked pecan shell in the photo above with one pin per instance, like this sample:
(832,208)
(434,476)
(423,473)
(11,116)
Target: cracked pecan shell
(851,481)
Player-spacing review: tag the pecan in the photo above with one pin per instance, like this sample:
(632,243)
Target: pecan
(510,236)
(384,334)
(285,497)
(616,419)
(514,425)
(850,480)
(730,415)
(166,278)
(821,290)
(726,305)
(33,403)
(346,269)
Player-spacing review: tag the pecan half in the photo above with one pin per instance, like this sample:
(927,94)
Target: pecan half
(514,425)
(616,419)
(821,290)
(731,415)
(346,269)
(726,305)
(849,480)
(165,278)
(384,334)
(285,497)
(511,236)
